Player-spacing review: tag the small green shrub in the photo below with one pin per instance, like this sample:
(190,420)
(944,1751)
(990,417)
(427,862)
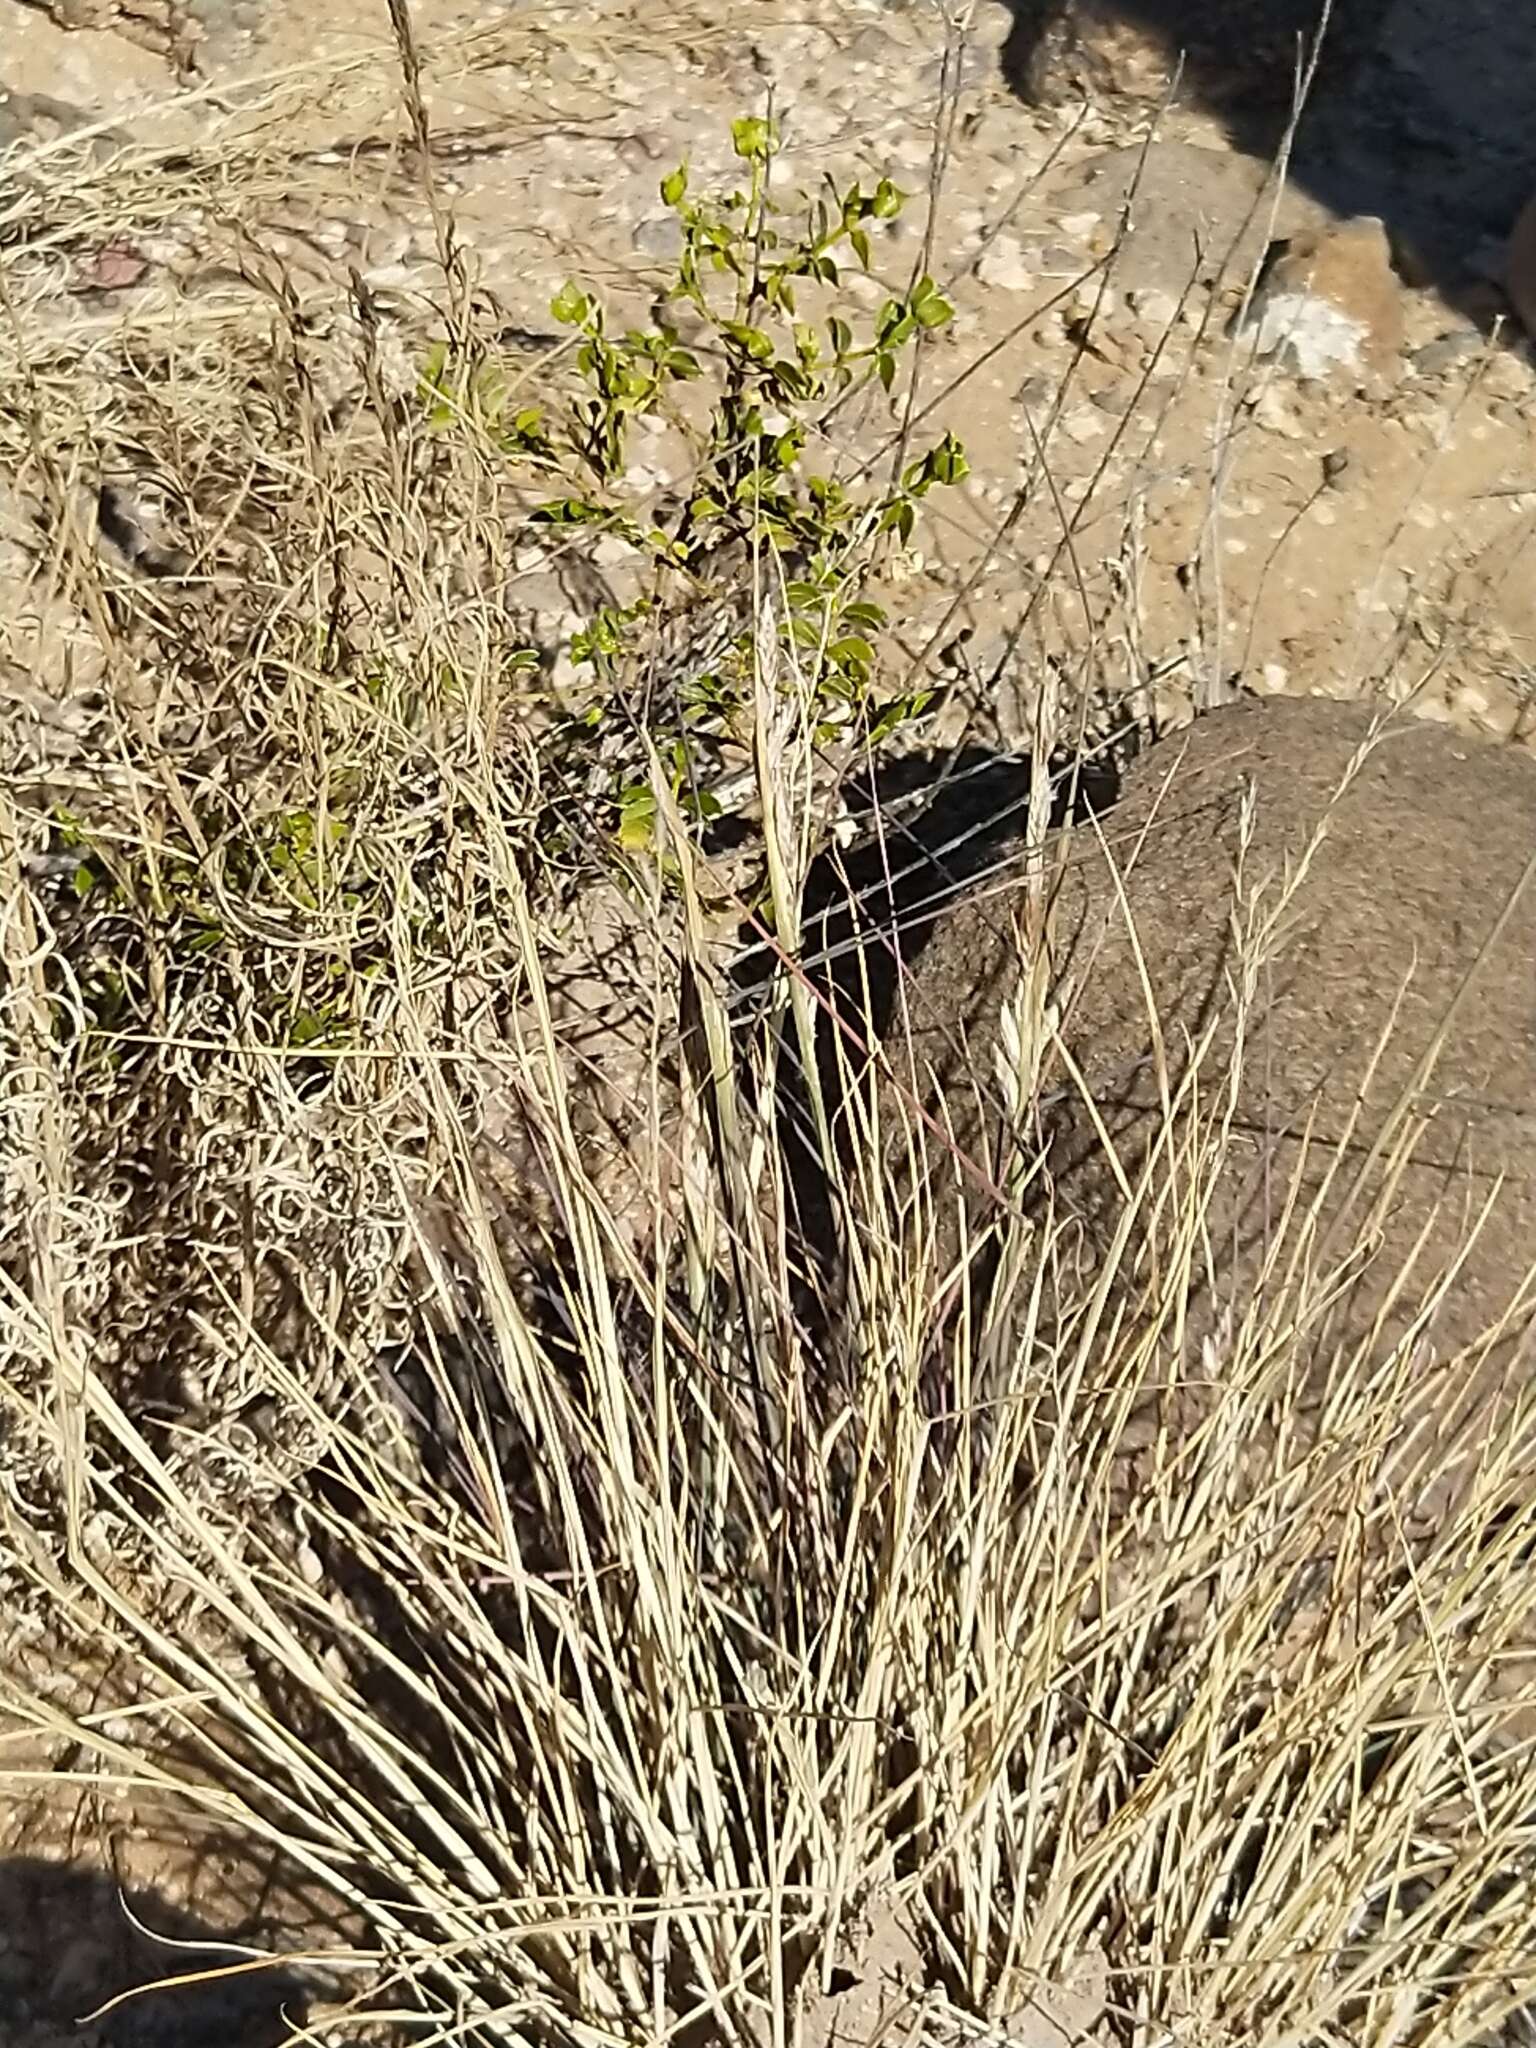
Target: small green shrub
(776,370)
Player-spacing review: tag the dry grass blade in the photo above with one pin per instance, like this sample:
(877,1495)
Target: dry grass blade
(612,1619)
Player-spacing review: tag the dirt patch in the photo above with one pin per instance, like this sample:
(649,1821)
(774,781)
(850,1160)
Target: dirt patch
(121,1926)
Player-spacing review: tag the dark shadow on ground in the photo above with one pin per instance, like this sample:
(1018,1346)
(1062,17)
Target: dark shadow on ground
(936,829)
(73,1942)
(1421,111)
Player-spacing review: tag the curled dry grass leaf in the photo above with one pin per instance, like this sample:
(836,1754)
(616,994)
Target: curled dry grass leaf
(599,1631)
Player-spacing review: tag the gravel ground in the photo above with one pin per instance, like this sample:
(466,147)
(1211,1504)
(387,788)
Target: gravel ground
(1232,523)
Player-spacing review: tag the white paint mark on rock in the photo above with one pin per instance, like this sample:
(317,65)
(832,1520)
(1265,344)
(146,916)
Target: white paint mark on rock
(1308,335)
(1332,302)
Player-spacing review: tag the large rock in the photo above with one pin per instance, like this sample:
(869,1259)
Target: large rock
(1520,267)
(1183,212)
(1331,302)
(1237,55)
(1388,915)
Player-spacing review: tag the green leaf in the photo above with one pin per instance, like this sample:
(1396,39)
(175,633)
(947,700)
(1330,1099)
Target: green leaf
(674,185)
(894,326)
(433,386)
(888,201)
(899,711)
(567,512)
(885,364)
(570,305)
(944,464)
(933,312)
(852,649)
(637,819)
(791,380)
(752,138)
(949,462)
(432,369)
(859,239)
(752,339)
(307,1028)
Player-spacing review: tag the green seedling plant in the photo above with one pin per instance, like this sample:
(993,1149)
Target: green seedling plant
(778,347)
(198,916)
(285,915)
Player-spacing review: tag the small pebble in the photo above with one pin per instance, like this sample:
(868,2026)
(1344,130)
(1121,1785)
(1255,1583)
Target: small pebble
(660,237)
(1005,265)
(1446,352)
(1274,411)
(1084,423)
(1154,310)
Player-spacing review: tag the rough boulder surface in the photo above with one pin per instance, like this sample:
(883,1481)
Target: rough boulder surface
(1407,885)
(1242,56)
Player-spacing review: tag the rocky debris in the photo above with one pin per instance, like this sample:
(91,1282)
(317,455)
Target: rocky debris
(1005,264)
(168,27)
(1073,50)
(1175,211)
(73,14)
(1078,255)
(1330,301)
(193,37)
(1436,134)
(1446,352)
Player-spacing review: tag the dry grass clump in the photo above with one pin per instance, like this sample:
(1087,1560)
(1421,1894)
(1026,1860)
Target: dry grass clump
(604,1635)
